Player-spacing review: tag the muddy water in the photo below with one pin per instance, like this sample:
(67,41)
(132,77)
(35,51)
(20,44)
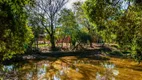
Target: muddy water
(64,68)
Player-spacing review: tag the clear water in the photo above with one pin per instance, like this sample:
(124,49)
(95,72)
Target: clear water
(65,68)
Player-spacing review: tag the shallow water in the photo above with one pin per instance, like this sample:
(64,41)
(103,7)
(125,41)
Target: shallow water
(64,68)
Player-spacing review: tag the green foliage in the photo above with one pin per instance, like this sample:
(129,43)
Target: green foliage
(99,11)
(46,14)
(68,24)
(84,23)
(83,37)
(129,31)
(67,14)
(117,25)
(15,32)
(102,15)
(70,28)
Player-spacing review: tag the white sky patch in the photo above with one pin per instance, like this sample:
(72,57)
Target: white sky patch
(70,3)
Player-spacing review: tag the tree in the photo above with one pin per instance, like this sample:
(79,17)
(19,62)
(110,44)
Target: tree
(129,35)
(15,34)
(83,21)
(123,23)
(68,24)
(100,13)
(70,27)
(33,21)
(47,12)
(81,17)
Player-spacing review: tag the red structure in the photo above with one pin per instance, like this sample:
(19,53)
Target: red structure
(64,43)
(64,40)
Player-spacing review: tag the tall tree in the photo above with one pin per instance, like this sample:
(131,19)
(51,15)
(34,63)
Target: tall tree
(47,12)
(68,23)
(14,31)
(129,34)
(99,12)
(81,17)
(82,20)
(122,21)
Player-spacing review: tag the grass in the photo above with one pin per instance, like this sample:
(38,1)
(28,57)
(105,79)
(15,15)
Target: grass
(41,45)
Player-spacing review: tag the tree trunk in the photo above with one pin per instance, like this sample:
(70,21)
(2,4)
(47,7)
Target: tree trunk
(52,40)
(37,43)
(91,45)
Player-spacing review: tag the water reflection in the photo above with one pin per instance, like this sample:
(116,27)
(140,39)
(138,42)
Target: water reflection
(8,68)
(8,72)
(56,70)
(109,72)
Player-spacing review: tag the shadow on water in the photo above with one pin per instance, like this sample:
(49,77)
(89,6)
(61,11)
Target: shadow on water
(52,66)
(136,67)
(65,68)
(80,65)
